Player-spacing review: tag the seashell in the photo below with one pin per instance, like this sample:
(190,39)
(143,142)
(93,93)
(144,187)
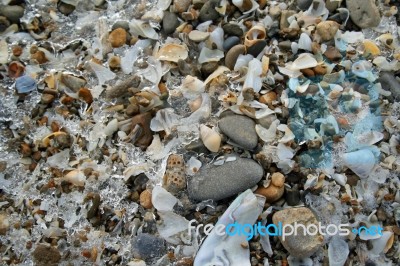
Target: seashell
(210,138)
(192,87)
(255,34)
(75,177)
(142,28)
(305,42)
(361,162)
(102,73)
(155,15)
(267,135)
(198,36)
(387,39)
(172,52)
(163,4)
(25,84)
(246,6)
(174,179)
(303,61)
(382,244)
(265,65)
(370,48)
(207,55)
(253,79)
(363,69)
(338,251)
(219,71)
(111,127)
(217,38)
(242,61)
(340,179)
(195,104)
(193,166)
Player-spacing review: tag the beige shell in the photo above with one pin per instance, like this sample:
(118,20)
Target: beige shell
(210,138)
(46,140)
(76,177)
(255,34)
(172,52)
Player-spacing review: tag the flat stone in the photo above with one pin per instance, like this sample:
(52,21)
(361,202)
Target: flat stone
(303,244)
(240,129)
(12,13)
(219,182)
(208,12)
(170,22)
(256,48)
(230,42)
(198,36)
(232,30)
(233,54)
(146,246)
(389,82)
(365,14)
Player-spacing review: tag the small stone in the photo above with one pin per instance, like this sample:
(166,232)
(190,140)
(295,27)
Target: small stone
(320,70)
(308,72)
(370,48)
(65,8)
(285,45)
(292,196)
(232,30)
(132,109)
(4,224)
(208,12)
(275,189)
(198,36)
(72,82)
(208,68)
(389,82)
(121,24)
(39,57)
(4,23)
(333,54)
(284,23)
(114,62)
(332,5)
(268,98)
(303,244)
(365,14)
(146,246)
(230,42)
(257,48)
(15,69)
(170,22)
(63,141)
(145,199)
(12,13)
(46,255)
(275,11)
(47,98)
(240,129)
(85,95)
(117,37)
(219,182)
(327,30)
(174,179)
(180,6)
(304,4)
(146,136)
(233,54)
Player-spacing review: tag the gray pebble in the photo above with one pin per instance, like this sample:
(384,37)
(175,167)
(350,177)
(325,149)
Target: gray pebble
(304,4)
(121,24)
(389,82)
(65,8)
(292,196)
(257,48)
(232,30)
(208,68)
(230,42)
(240,129)
(365,14)
(170,22)
(147,246)
(219,182)
(233,54)
(12,13)
(208,12)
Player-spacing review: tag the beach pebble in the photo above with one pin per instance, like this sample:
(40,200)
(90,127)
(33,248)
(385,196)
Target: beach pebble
(146,246)
(257,48)
(12,13)
(365,14)
(46,255)
(170,22)
(233,54)
(304,4)
(327,30)
(4,224)
(198,36)
(145,199)
(230,42)
(180,6)
(333,54)
(332,5)
(275,189)
(240,129)
(117,37)
(72,82)
(292,196)
(208,68)
(146,137)
(303,244)
(389,82)
(208,12)
(47,98)
(231,29)
(219,182)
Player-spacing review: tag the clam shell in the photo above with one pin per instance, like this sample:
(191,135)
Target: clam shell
(255,34)
(303,61)
(172,52)
(361,162)
(207,55)
(338,251)
(141,28)
(210,138)
(76,177)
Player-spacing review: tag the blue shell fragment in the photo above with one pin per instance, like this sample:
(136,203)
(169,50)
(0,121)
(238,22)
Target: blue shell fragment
(25,84)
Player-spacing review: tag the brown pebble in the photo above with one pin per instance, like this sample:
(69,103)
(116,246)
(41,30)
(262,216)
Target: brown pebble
(36,156)
(117,37)
(146,136)
(39,57)
(47,98)
(132,110)
(308,72)
(320,70)
(268,98)
(25,150)
(54,126)
(333,54)
(327,30)
(145,199)
(275,189)
(15,69)
(17,50)
(233,54)
(114,62)
(180,6)
(85,95)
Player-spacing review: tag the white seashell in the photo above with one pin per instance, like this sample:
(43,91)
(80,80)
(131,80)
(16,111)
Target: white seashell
(288,133)
(318,9)
(253,79)
(363,69)
(338,251)
(312,181)
(162,200)
(242,61)
(210,138)
(220,70)
(340,179)
(267,135)
(76,177)
(198,36)
(217,37)
(255,34)
(383,243)
(303,61)
(284,152)
(295,47)
(193,166)
(361,162)
(137,262)
(204,26)
(192,87)
(102,73)
(155,15)
(3,52)
(111,127)
(172,52)
(165,120)
(142,28)
(305,42)
(207,55)
(163,4)
(221,9)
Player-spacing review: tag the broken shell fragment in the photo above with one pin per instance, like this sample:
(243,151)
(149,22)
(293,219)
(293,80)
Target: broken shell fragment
(255,34)
(172,52)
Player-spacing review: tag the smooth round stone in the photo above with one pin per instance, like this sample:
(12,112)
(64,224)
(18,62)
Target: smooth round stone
(25,84)
(208,12)
(365,14)
(147,246)
(198,36)
(12,13)
(240,129)
(208,68)
(219,182)
(389,81)
(232,30)
(292,196)
(257,48)
(170,22)
(233,54)
(304,4)
(301,245)
(230,42)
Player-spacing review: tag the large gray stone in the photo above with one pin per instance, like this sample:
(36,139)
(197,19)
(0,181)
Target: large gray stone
(365,14)
(170,22)
(240,129)
(390,83)
(219,182)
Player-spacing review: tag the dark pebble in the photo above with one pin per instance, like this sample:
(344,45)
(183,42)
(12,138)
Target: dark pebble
(256,48)
(170,22)
(232,30)
(389,81)
(65,8)
(230,42)
(208,12)
(292,196)
(304,4)
(147,246)
(208,68)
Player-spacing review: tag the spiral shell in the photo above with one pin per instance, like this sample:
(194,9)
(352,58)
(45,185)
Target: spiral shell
(255,34)
(210,138)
